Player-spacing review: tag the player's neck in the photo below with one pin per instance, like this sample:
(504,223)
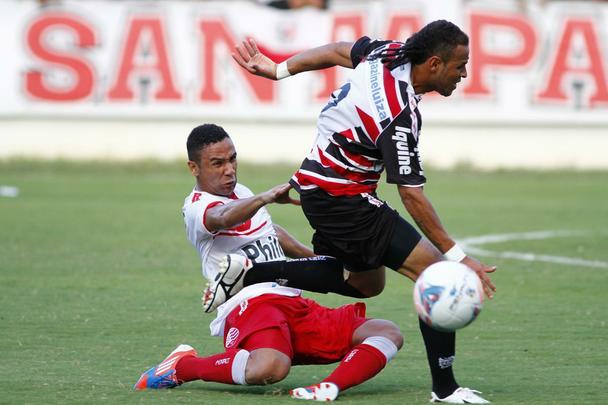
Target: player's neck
(419,79)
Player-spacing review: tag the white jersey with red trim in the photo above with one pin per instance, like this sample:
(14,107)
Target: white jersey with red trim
(370,124)
(254,238)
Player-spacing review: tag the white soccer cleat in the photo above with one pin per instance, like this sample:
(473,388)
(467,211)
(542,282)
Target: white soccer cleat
(321,392)
(228,281)
(461,396)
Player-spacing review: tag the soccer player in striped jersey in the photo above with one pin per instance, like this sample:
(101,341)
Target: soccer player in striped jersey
(370,125)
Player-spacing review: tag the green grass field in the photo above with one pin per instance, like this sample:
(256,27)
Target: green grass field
(98,283)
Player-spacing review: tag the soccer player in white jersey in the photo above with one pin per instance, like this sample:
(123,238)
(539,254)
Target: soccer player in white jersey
(266,327)
(370,125)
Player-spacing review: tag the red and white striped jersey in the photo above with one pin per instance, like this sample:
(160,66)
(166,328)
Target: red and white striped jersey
(254,238)
(370,124)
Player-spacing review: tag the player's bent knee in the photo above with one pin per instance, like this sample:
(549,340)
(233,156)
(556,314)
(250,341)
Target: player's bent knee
(379,327)
(368,283)
(389,330)
(269,373)
(267,366)
(371,290)
(394,335)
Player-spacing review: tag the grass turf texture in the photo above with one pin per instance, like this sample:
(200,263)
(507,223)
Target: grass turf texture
(98,283)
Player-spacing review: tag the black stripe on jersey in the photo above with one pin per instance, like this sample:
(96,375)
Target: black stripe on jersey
(403,90)
(384,123)
(331,173)
(419,117)
(363,47)
(364,138)
(334,151)
(295,185)
(404,96)
(318,168)
(368,149)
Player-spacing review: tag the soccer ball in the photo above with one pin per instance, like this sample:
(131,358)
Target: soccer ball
(448,296)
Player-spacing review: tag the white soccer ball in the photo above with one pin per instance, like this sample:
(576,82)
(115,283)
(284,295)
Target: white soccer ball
(448,296)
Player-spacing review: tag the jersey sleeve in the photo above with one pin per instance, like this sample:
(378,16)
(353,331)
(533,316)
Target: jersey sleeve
(399,149)
(201,202)
(197,212)
(363,47)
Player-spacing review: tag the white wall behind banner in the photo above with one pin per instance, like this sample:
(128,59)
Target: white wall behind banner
(90,71)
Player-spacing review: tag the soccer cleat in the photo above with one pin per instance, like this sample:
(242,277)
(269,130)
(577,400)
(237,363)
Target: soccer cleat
(321,392)
(461,396)
(228,281)
(163,375)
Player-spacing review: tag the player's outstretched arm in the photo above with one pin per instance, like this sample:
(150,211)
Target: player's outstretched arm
(422,211)
(249,57)
(225,216)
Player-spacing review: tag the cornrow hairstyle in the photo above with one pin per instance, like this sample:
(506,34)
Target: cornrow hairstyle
(202,136)
(439,38)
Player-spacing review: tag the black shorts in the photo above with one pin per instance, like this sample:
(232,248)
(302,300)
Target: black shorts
(362,231)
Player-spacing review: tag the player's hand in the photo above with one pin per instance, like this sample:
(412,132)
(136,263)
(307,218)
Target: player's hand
(482,271)
(252,60)
(280,195)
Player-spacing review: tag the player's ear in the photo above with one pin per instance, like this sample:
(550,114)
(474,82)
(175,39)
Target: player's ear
(194,168)
(434,63)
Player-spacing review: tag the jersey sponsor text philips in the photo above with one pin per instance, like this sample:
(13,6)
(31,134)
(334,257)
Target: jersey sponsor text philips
(264,251)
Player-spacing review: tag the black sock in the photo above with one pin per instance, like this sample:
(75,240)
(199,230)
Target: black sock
(440,352)
(320,274)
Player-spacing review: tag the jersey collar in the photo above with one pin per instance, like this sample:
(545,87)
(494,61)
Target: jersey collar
(404,73)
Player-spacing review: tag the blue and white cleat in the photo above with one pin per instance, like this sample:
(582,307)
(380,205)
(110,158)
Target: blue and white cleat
(321,392)
(163,375)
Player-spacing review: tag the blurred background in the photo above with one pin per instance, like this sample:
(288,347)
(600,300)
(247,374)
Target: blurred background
(122,80)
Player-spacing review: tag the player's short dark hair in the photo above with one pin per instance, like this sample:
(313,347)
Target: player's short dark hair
(439,38)
(202,136)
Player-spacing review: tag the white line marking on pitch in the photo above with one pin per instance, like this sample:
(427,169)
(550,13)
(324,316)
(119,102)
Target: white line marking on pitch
(472,243)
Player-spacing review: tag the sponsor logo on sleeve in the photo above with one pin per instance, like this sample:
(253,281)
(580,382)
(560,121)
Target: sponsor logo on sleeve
(403,150)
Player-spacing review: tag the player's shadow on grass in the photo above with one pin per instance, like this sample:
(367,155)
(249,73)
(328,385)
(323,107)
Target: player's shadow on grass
(281,389)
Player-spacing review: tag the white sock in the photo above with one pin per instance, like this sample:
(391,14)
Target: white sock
(384,345)
(238,367)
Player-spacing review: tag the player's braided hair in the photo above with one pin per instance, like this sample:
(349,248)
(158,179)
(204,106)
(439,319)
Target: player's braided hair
(436,38)
(202,136)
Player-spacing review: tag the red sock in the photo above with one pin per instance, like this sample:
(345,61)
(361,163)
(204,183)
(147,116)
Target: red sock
(359,365)
(216,368)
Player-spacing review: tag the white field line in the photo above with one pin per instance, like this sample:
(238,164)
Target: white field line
(471,245)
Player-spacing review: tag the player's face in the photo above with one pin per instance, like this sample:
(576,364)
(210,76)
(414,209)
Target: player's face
(452,71)
(216,169)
